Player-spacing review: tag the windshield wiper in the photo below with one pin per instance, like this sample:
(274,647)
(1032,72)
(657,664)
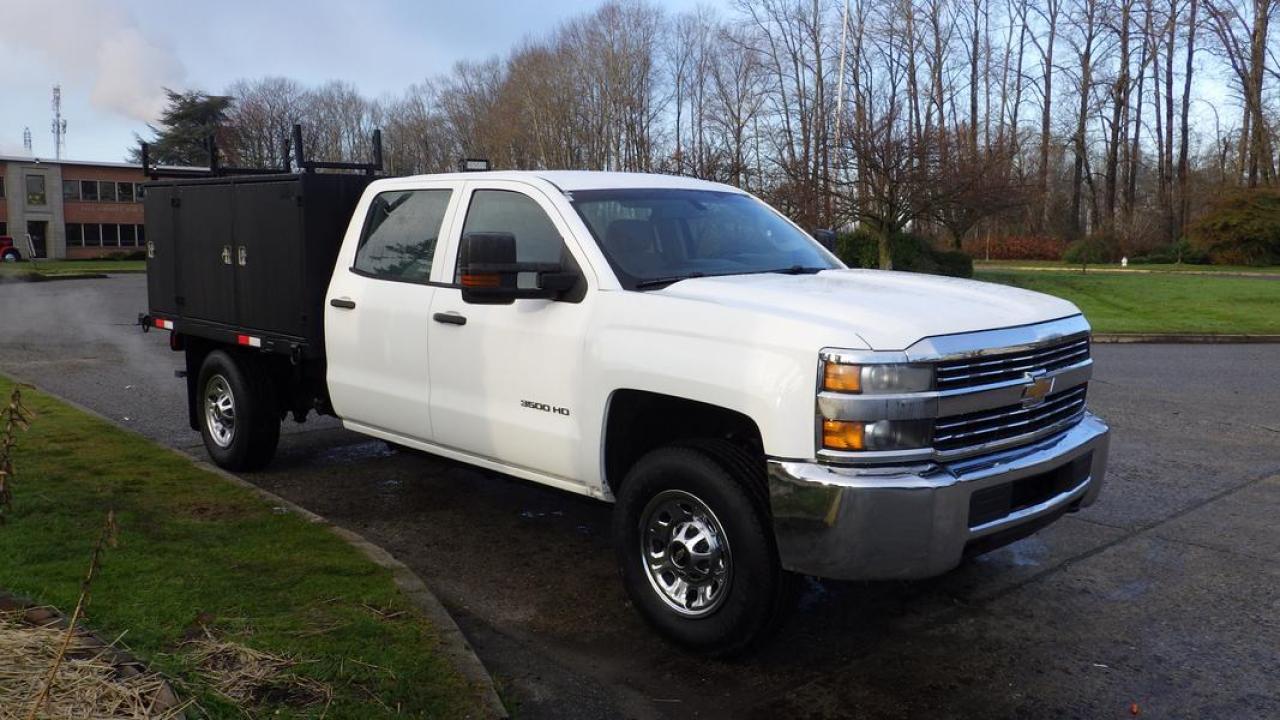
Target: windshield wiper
(665,281)
(793,270)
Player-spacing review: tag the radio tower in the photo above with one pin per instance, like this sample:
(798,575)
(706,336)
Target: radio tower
(59,123)
(26,139)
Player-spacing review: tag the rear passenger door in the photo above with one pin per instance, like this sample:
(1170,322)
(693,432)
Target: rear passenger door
(379,311)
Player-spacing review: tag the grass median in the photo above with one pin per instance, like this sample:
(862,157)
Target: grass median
(53,268)
(1159,302)
(199,557)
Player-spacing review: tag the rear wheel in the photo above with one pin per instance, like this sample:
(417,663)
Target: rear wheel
(696,548)
(238,413)
(10,255)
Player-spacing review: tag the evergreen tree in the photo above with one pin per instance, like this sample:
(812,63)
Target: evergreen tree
(182,136)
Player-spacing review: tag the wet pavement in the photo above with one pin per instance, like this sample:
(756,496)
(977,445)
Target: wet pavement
(1164,597)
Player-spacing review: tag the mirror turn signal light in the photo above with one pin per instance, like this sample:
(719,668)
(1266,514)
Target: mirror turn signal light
(842,378)
(843,434)
(481,280)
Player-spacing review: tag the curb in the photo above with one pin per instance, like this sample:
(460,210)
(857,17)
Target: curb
(452,641)
(1183,338)
(41,277)
(1129,271)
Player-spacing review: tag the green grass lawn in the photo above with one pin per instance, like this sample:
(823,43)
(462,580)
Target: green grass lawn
(68,267)
(1155,267)
(1158,302)
(193,544)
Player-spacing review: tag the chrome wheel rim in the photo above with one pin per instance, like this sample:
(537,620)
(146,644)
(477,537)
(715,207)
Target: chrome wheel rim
(220,411)
(685,553)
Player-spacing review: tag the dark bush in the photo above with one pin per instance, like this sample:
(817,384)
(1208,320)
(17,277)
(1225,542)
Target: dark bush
(1092,250)
(1240,228)
(858,249)
(954,263)
(910,253)
(132,255)
(1180,252)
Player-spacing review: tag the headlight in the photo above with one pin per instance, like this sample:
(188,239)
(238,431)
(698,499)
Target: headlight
(879,435)
(876,379)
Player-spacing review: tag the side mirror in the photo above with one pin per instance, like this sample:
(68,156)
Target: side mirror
(490,274)
(826,238)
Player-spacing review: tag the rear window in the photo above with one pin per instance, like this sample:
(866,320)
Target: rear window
(400,234)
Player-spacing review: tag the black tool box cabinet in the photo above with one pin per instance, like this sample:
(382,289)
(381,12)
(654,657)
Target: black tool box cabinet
(248,255)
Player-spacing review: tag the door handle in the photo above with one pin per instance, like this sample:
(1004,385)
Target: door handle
(449,318)
(344,303)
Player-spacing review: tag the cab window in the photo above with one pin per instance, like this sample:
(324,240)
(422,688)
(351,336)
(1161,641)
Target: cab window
(400,235)
(537,240)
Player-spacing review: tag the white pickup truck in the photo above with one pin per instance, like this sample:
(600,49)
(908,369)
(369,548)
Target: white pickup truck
(753,409)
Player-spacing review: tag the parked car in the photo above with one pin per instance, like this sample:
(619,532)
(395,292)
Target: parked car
(753,409)
(8,250)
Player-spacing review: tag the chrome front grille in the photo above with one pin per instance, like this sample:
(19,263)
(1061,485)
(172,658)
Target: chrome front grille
(985,370)
(974,431)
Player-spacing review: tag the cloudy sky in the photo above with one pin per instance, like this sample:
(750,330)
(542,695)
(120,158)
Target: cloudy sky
(113,56)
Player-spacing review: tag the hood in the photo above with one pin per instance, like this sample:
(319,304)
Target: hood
(887,310)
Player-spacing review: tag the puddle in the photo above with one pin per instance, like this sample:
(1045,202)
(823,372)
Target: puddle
(356,452)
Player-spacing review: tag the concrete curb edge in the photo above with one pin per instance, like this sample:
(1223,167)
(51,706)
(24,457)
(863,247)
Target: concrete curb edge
(452,641)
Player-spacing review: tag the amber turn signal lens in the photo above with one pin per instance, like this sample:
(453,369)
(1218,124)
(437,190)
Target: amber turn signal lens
(483,280)
(842,378)
(843,435)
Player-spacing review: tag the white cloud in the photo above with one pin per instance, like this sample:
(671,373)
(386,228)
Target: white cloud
(99,46)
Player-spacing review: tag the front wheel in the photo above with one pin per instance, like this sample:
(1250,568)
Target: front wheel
(694,540)
(238,414)
(10,256)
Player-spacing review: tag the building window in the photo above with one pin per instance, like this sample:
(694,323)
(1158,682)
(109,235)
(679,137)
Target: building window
(35,190)
(70,190)
(139,191)
(4,229)
(110,235)
(1,190)
(92,235)
(75,236)
(124,191)
(107,192)
(142,234)
(89,190)
(128,236)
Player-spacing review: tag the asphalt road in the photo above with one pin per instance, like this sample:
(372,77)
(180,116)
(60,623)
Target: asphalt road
(1166,594)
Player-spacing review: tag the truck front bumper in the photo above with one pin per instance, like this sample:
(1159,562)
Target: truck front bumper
(863,523)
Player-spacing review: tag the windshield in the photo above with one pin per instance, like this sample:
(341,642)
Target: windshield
(653,238)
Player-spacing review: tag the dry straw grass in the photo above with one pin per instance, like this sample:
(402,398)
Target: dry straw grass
(87,684)
(251,678)
(14,416)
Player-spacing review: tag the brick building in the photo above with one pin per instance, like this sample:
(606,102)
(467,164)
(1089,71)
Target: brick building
(71,209)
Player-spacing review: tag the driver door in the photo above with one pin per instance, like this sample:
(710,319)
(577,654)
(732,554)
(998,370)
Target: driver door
(504,378)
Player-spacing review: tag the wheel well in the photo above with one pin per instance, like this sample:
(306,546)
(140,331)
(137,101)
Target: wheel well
(641,421)
(295,393)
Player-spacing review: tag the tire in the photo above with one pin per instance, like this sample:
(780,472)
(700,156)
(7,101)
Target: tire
(237,411)
(726,540)
(11,255)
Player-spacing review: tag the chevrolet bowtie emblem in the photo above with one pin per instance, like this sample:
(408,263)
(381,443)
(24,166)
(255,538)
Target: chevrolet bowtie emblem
(1036,390)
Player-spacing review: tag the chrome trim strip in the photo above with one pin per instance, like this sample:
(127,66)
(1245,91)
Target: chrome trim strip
(1072,347)
(996,342)
(1030,513)
(1003,443)
(923,406)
